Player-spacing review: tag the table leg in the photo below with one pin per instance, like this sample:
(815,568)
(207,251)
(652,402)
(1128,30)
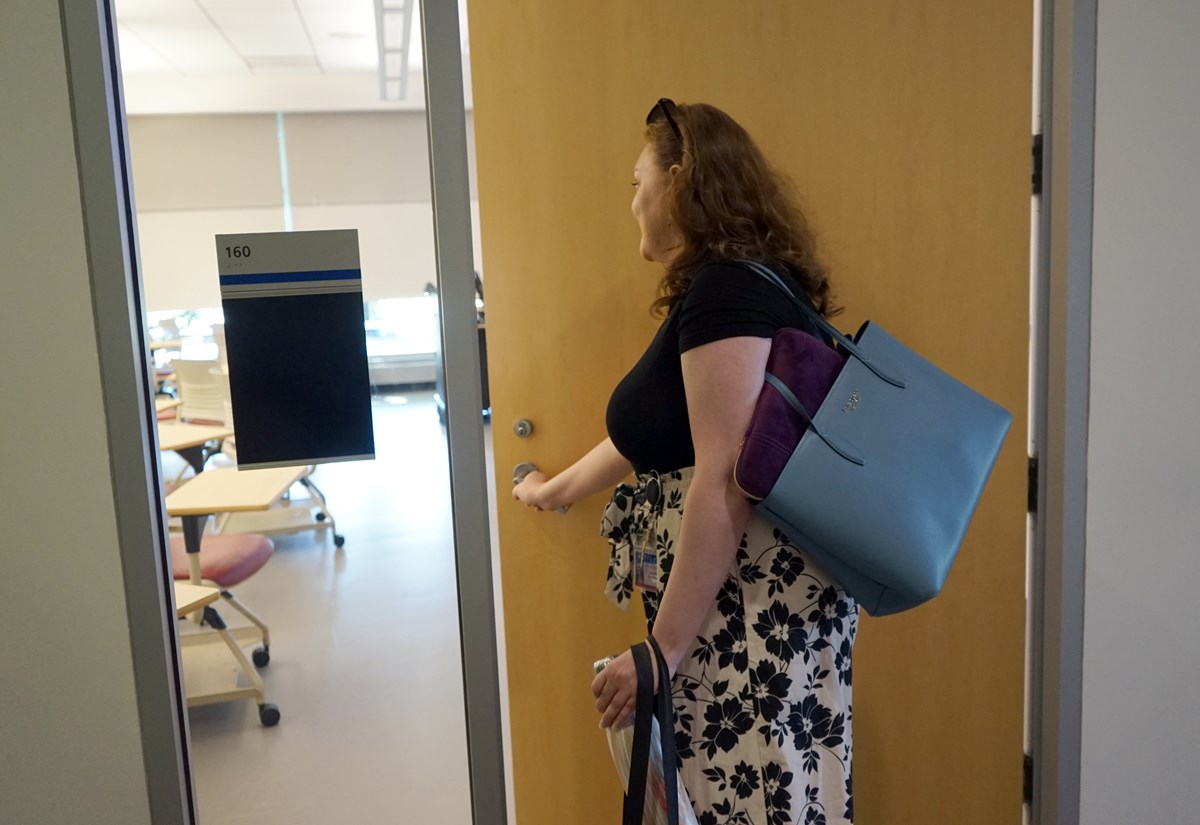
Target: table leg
(193,529)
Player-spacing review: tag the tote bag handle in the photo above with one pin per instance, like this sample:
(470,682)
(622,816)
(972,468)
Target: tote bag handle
(828,328)
(644,715)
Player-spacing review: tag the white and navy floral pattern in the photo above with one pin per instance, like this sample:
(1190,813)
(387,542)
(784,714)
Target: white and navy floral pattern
(763,697)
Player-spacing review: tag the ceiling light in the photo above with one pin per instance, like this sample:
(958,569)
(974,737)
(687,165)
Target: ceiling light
(393,30)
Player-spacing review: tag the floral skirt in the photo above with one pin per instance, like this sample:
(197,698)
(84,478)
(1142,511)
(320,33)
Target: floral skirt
(763,696)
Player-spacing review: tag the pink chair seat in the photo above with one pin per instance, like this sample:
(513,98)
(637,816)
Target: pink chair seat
(224,559)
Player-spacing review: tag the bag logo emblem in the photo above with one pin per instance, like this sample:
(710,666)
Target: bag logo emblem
(855,397)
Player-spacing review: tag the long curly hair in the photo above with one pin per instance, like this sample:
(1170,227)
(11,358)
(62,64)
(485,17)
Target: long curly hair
(727,202)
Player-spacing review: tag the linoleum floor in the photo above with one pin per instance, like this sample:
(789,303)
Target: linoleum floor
(365,661)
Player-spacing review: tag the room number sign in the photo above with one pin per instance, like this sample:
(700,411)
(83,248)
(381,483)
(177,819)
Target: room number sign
(296,347)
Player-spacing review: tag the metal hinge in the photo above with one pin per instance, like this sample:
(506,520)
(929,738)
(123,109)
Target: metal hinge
(1031,504)
(1027,784)
(1037,164)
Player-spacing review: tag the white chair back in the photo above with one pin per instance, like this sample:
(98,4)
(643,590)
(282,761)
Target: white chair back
(218,331)
(205,397)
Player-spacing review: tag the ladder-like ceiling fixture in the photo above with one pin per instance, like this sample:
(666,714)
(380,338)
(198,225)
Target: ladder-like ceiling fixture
(393,28)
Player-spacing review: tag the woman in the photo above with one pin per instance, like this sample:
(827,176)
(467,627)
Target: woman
(758,638)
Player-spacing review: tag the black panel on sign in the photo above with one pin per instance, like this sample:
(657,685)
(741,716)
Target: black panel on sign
(298,378)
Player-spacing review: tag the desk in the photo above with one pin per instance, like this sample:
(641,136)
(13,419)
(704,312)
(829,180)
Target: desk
(225,490)
(169,343)
(191,441)
(247,500)
(163,403)
(190,597)
(229,490)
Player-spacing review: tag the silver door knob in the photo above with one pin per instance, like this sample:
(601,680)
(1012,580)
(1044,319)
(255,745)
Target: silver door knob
(523,428)
(521,470)
(525,468)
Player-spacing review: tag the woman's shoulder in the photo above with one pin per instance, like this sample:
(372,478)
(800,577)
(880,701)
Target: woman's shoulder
(734,295)
(735,280)
(719,269)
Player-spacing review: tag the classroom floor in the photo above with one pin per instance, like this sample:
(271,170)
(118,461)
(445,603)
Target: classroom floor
(365,662)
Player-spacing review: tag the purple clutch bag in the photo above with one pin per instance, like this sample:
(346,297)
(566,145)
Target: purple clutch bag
(808,367)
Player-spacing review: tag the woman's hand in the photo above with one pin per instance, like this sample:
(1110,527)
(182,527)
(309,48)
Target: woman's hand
(600,469)
(615,689)
(529,491)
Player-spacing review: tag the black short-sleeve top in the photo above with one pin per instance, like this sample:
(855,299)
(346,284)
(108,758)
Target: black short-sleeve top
(647,415)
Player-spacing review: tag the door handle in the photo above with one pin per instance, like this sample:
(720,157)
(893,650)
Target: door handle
(525,468)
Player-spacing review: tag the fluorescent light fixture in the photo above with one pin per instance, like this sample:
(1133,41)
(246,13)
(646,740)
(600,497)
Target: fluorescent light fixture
(393,29)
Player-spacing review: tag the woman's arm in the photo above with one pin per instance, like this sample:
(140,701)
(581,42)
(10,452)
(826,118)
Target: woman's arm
(602,468)
(722,381)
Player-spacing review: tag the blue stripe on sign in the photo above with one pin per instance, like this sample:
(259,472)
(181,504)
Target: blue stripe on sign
(292,277)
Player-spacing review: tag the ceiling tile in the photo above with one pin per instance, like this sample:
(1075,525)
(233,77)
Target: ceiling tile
(361,21)
(128,10)
(360,6)
(215,7)
(268,42)
(193,49)
(138,57)
(199,44)
(283,65)
(249,19)
(347,55)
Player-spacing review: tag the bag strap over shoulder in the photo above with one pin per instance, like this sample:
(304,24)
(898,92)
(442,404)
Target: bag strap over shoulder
(822,324)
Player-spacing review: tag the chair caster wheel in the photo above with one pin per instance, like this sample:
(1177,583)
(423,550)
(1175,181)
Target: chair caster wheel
(319,516)
(268,714)
(261,656)
(339,540)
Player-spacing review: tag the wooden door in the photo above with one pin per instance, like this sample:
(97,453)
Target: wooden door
(905,124)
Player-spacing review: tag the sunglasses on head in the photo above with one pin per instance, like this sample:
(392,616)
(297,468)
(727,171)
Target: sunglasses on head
(664,105)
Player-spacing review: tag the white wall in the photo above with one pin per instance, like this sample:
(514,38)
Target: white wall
(69,731)
(1141,692)
(199,175)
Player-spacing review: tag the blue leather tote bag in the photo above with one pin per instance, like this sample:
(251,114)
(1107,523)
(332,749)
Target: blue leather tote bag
(882,485)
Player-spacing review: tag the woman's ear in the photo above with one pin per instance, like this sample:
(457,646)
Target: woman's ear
(675,169)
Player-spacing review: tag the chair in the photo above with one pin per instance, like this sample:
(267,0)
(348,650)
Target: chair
(166,328)
(204,392)
(169,414)
(223,562)
(205,399)
(218,332)
(315,503)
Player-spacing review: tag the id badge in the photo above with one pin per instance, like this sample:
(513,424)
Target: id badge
(645,564)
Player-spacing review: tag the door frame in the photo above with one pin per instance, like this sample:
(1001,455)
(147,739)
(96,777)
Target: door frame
(1060,410)
(1060,389)
(109,217)
(110,236)
(446,116)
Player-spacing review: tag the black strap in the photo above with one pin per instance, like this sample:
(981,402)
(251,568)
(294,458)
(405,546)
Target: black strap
(639,761)
(648,707)
(666,729)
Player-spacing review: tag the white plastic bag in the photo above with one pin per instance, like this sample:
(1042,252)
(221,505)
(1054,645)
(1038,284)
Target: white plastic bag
(620,745)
